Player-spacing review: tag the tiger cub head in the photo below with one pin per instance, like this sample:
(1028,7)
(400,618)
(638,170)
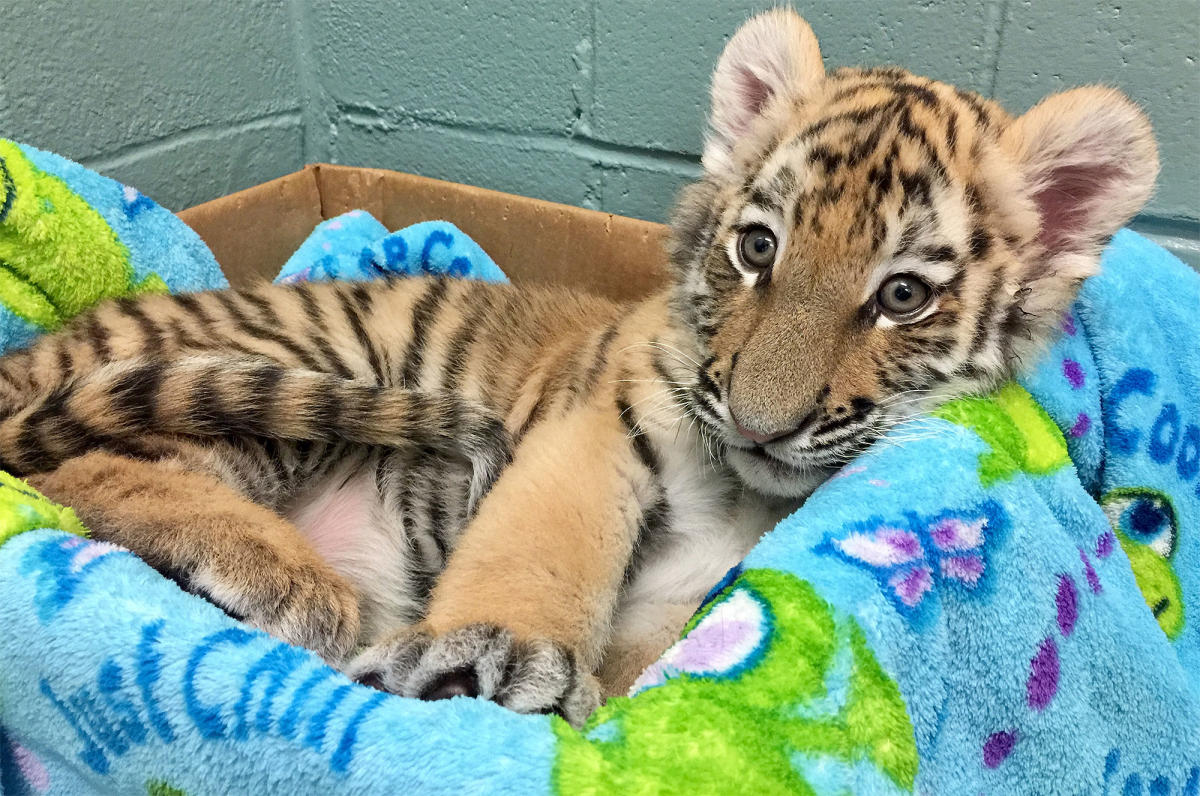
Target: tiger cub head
(866,243)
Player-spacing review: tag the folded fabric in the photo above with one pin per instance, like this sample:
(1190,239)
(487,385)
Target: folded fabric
(998,598)
(69,238)
(354,246)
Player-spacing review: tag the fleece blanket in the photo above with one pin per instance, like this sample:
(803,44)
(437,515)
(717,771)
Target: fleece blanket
(996,598)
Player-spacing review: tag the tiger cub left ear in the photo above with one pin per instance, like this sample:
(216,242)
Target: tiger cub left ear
(1089,162)
(773,55)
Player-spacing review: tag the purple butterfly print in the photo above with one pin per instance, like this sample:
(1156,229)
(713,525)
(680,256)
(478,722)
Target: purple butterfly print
(912,558)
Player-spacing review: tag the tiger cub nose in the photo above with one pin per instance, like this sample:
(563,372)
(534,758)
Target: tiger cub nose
(755,437)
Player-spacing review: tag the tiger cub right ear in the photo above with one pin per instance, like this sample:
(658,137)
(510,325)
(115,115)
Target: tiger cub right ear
(1089,160)
(774,55)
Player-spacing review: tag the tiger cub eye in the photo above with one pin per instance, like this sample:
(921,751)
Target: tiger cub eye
(756,248)
(903,296)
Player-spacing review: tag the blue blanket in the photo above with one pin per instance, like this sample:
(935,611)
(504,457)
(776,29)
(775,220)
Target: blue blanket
(995,598)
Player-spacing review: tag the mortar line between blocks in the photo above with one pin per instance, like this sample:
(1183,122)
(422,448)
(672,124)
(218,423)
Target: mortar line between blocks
(605,153)
(204,132)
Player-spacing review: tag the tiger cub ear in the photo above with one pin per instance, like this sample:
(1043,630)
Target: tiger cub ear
(774,55)
(1089,162)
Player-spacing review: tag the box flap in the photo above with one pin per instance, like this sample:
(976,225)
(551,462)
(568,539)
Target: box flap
(532,240)
(253,232)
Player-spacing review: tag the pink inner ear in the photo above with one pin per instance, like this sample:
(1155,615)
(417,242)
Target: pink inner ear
(1067,200)
(754,94)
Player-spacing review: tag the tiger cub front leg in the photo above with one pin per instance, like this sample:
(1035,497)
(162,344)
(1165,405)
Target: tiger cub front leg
(240,555)
(522,612)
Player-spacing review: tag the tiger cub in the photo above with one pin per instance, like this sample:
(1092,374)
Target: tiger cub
(449,487)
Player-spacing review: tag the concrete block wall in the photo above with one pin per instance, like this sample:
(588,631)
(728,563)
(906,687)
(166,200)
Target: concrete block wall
(598,103)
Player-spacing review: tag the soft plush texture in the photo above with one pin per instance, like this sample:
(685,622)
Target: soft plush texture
(954,612)
(354,246)
(69,238)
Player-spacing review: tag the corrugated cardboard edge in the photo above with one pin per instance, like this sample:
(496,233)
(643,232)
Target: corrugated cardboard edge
(253,232)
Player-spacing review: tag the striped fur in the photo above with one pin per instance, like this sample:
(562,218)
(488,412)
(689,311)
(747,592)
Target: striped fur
(522,493)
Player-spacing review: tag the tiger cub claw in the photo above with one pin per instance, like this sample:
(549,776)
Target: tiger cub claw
(485,661)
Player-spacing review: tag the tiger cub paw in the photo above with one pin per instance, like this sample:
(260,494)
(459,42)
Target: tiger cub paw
(304,606)
(316,612)
(485,661)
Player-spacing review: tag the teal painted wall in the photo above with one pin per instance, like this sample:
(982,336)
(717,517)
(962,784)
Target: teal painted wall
(598,103)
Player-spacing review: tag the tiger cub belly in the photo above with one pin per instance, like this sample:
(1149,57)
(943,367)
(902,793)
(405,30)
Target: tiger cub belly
(388,535)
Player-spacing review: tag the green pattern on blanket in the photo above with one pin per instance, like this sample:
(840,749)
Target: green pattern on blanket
(1022,437)
(22,509)
(801,685)
(58,256)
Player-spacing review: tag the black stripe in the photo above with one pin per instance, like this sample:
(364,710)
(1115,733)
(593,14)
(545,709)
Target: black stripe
(866,145)
(206,404)
(423,317)
(437,513)
(759,198)
(660,368)
(65,362)
(561,369)
(352,311)
(975,103)
(938,254)
(916,187)
(831,161)
(463,338)
(915,133)
(151,335)
(261,388)
(324,408)
(784,181)
(363,297)
(599,360)
(834,424)
(915,91)
(951,132)
(191,305)
(651,537)
(701,410)
(226,299)
(854,117)
(637,436)
(264,307)
(252,329)
(422,578)
(181,335)
(705,381)
(984,319)
(135,392)
(981,242)
(97,336)
(535,415)
(51,418)
(316,316)
(882,178)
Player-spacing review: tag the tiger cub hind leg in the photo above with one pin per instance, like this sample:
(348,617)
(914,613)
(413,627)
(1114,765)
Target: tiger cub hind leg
(214,542)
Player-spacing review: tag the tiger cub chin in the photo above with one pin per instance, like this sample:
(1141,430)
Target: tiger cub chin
(448,487)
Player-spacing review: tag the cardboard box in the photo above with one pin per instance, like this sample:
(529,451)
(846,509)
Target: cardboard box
(253,232)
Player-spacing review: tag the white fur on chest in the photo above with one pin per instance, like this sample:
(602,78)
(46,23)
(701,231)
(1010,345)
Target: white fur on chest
(705,535)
